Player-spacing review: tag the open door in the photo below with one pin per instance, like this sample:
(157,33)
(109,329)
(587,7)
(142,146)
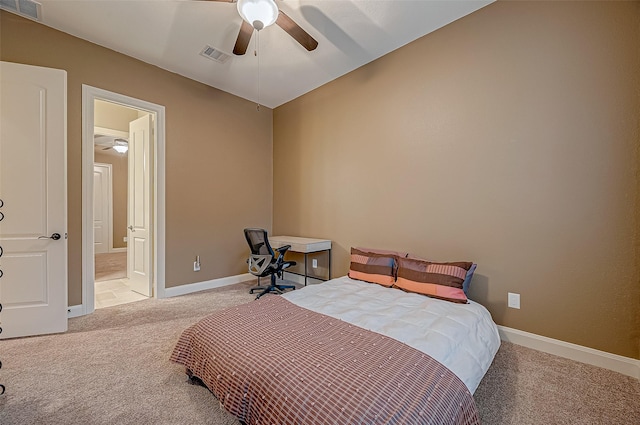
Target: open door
(139,235)
(33,193)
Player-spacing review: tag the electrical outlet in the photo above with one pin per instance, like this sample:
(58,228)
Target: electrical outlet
(514,300)
(314,263)
(124,239)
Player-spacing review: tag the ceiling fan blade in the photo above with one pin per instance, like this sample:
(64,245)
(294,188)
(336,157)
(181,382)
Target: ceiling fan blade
(244,36)
(294,30)
(107,148)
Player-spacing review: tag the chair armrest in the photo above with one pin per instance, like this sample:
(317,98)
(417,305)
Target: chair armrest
(283,249)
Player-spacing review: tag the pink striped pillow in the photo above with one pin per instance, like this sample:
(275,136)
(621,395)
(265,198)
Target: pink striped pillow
(373,267)
(437,280)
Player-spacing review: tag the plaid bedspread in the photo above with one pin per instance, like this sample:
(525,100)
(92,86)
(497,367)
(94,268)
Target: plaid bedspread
(272,362)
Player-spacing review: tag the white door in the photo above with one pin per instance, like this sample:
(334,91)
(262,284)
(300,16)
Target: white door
(33,286)
(139,208)
(101,208)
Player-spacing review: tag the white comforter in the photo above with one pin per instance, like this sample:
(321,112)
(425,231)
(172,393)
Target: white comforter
(463,337)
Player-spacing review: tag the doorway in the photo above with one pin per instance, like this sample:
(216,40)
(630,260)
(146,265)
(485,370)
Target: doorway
(113,124)
(123,199)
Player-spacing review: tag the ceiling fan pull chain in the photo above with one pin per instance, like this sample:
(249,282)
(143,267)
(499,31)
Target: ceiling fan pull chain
(256,53)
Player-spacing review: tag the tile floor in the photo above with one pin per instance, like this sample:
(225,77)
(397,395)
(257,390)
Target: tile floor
(115,292)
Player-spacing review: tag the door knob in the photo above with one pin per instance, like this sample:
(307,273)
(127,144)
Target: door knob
(54,236)
(131,228)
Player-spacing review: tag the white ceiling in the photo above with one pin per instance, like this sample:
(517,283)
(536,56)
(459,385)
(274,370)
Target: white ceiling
(171,34)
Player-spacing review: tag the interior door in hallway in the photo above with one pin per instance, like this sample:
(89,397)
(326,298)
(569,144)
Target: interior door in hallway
(139,208)
(102,230)
(33,193)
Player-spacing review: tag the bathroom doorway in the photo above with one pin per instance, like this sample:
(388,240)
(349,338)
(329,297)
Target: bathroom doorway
(123,199)
(113,124)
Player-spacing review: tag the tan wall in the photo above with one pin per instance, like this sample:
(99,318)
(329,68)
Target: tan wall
(509,138)
(212,140)
(119,181)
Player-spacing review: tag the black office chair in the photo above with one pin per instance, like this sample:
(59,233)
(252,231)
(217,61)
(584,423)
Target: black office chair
(263,261)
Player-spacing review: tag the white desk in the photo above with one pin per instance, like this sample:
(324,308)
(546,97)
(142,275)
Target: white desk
(305,246)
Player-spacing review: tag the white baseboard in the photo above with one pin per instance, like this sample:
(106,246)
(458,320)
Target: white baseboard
(620,364)
(208,284)
(118,250)
(75,311)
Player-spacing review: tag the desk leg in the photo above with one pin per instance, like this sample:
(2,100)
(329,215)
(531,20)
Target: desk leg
(305,269)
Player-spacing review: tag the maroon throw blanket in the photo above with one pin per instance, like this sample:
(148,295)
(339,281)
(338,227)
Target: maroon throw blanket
(272,362)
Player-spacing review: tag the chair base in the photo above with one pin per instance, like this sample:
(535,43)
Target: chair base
(273,288)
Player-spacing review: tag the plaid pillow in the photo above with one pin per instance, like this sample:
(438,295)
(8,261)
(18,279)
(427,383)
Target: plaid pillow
(373,267)
(437,280)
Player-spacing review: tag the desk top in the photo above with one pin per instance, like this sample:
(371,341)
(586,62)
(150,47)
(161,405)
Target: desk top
(300,244)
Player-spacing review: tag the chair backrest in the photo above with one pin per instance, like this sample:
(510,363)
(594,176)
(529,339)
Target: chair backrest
(258,241)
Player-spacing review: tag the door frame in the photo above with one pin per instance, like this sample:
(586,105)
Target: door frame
(89,96)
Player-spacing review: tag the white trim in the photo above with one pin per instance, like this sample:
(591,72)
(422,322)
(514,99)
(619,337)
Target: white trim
(75,311)
(118,250)
(89,95)
(617,363)
(159,204)
(207,284)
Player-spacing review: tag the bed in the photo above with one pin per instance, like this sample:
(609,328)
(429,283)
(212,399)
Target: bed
(343,352)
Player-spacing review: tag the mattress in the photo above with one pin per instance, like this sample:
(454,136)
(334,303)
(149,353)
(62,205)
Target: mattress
(273,362)
(463,337)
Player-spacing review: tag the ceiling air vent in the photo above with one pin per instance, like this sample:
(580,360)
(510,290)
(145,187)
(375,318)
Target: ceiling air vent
(27,8)
(214,54)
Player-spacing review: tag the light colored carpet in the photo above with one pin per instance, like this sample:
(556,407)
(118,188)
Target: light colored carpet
(528,387)
(112,367)
(110,266)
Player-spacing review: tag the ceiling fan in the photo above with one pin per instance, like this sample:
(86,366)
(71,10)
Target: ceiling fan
(259,14)
(120,145)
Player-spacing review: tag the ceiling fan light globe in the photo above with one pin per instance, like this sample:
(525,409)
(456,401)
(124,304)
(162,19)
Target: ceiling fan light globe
(265,12)
(120,148)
